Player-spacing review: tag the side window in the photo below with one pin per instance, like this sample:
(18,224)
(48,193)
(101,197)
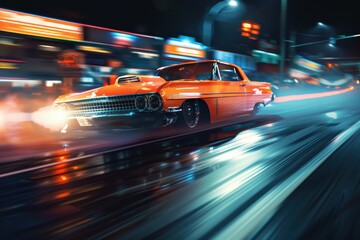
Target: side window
(229,73)
(204,71)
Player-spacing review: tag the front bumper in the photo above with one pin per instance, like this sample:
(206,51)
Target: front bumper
(125,120)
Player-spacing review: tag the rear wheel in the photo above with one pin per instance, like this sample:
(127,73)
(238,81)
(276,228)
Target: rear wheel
(256,109)
(190,114)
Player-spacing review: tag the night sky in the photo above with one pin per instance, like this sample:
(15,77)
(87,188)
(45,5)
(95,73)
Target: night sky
(171,18)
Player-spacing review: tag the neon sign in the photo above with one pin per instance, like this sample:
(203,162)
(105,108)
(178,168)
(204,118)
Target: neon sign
(17,22)
(122,39)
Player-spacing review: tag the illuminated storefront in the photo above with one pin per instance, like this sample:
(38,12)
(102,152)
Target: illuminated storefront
(183,48)
(30,46)
(131,53)
(266,56)
(28,24)
(34,48)
(247,63)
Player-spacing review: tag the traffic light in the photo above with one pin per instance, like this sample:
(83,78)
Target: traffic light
(250,30)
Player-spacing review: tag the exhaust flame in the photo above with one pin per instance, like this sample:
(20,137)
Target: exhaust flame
(2,120)
(50,118)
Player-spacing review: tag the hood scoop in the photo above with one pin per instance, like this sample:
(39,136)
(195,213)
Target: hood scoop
(127,79)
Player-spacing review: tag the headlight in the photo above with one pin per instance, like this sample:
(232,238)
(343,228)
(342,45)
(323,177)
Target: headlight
(140,103)
(154,102)
(148,102)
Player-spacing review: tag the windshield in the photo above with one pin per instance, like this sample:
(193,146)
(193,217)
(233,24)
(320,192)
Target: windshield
(196,71)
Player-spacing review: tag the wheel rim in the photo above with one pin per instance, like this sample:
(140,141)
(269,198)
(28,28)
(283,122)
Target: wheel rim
(191,113)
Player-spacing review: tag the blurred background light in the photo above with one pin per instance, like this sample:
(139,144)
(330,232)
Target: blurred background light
(233,3)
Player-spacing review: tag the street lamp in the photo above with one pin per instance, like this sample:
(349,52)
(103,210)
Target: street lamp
(211,16)
(321,30)
(282,38)
(233,3)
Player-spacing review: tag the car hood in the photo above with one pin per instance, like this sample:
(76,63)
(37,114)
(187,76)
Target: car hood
(143,84)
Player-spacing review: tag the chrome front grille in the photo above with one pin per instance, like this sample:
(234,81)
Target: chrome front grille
(101,106)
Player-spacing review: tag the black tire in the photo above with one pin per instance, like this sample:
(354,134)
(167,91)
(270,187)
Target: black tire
(190,114)
(256,109)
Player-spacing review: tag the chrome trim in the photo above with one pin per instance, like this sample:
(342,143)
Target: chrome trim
(174,109)
(127,79)
(106,115)
(107,106)
(101,106)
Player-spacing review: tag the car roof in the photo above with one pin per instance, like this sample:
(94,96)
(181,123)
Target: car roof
(195,62)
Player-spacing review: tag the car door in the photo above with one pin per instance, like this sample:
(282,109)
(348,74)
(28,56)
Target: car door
(232,101)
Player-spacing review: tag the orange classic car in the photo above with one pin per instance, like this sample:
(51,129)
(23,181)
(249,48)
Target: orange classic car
(188,94)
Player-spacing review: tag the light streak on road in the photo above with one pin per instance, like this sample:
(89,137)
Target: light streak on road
(332,115)
(247,224)
(312,95)
(237,182)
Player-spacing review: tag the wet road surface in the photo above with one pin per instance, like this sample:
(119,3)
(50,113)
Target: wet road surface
(290,173)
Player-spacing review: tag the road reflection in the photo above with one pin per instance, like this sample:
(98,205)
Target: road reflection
(202,179)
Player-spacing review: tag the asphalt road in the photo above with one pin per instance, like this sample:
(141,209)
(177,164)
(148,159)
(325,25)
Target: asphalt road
(290,173)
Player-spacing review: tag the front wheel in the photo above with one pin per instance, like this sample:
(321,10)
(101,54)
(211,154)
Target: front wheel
(190,114)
